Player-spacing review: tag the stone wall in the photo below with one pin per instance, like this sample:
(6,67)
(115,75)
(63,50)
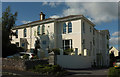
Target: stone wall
(19,64)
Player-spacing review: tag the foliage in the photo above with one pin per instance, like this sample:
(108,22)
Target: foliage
(35,57)
(37,46)
(55,50)
(20,49)
(113,72)
(112,59)
(49,70)
(25,56)
(8,21)
(12,49)
(68,51)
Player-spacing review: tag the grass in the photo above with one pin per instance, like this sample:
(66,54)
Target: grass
(114,72)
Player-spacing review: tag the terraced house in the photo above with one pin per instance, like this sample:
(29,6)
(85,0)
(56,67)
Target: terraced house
(74,31)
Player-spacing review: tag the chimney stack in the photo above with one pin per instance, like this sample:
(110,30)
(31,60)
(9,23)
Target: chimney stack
(42,16)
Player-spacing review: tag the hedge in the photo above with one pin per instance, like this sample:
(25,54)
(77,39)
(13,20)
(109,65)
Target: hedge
(114,72)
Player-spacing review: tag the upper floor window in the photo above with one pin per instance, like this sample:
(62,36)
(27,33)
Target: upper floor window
(83,43)
(25,32)
(64,28)
(93,41)
(43,29)
(83,27)
(90,28)
(69,27)
(93,32)
(38,30)
(16,33)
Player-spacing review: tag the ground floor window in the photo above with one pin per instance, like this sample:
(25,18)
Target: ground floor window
(67,44)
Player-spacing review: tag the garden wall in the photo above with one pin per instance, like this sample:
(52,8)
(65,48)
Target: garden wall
(19,64)
(74,61)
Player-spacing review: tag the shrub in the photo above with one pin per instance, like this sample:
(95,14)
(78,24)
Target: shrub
(68,51)
(48,69)
(55,50)
(113,72)
(20,49)
(35,57)
(25,56)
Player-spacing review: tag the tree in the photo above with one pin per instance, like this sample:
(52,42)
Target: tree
(37,46)
(112,58)
(8,21)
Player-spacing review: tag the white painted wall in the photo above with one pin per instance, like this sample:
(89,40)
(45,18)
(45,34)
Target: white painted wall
(74,61)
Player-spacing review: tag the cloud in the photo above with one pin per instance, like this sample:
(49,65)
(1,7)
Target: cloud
(116,34)
(52,4)
(25,22)
(55,16)
(114,41)
(98,12)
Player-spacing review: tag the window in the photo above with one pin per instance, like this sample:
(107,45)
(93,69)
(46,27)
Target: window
(67,44)
(16,33)
(25,32)
(43,29)
(23,44)
(90,48)
(44,42)
(93,41)
(83,27)
(69,27)
(83,42)
(38,30)
(64,28)
(90,28)
(93,32)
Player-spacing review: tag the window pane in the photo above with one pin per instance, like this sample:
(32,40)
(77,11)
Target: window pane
(64,28)
(69,27)
(16,33)
(25,32)
(83,27)
(38,30)
(43,29)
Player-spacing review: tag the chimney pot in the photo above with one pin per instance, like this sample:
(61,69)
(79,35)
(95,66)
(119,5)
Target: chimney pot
(42,16)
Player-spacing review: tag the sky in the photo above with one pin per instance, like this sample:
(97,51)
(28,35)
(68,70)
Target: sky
(103,14)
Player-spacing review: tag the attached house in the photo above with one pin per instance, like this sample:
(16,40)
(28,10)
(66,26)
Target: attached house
(115,51)
(74,31)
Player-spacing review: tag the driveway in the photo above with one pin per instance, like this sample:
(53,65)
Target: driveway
(88,73)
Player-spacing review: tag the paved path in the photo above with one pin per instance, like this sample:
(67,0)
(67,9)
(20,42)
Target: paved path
(88,73)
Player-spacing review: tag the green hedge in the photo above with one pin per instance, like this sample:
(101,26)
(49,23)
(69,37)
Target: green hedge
(49,70)
(114,72)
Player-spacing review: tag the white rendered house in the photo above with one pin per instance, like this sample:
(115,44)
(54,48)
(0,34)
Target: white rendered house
(74,31)
(114,50)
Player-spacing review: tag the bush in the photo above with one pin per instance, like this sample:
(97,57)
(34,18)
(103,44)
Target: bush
(35,57)
(48,69)
(68,51)
(20,49)
(55,50)
(113,72)
(25,56)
